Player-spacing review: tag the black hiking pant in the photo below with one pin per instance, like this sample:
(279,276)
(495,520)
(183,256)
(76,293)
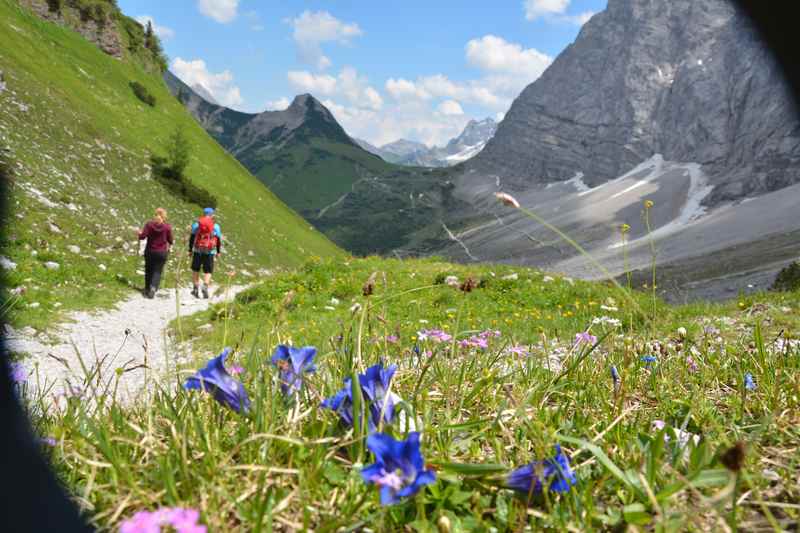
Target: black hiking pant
(153,268)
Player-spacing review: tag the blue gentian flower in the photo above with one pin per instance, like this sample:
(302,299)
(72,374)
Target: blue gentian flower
(615,376)
(749,384)
(374,385)
(342,403)
(399,469)
(216,380)
(292,363)
(648,360)
(529,479)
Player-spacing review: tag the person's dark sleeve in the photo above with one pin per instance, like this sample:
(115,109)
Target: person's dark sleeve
(145,232)
(191,241)
(169,235)
(219,243)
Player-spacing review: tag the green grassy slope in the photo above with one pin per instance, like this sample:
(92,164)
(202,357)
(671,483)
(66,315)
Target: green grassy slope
(79,141)
(314,174)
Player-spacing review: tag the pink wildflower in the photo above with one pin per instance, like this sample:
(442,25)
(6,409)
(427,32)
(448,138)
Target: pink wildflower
(435,335)
(585,337)
(181,520)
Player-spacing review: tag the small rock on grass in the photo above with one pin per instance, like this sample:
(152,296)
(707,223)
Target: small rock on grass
(7,263)
(52,265)
(74,249)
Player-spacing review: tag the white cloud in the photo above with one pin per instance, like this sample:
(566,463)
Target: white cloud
(450,107)
(554,10)
(582,18)
(356,89)
(440,86)
(223,11)
(277,105)
(498,117)
(409,120)
(540,8)
(220,85)
(429,108)
(401,89)
(348,84)
(312,29)
(495,54)
(164,33)
(373,98)
(304,81)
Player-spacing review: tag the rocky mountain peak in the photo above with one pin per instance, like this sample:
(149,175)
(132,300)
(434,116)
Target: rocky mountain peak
(689,80)
(475,132)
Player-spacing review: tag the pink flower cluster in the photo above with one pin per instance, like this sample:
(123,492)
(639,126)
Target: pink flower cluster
(474,342)
(436,335)
(480,341)
(181,520)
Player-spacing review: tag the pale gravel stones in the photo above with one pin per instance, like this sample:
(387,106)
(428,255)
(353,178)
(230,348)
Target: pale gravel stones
(102,337)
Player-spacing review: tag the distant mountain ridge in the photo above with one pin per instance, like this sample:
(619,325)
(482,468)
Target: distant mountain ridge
(412,153)
(301,153)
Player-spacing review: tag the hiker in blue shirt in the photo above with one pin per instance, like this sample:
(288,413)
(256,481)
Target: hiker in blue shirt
(205,242)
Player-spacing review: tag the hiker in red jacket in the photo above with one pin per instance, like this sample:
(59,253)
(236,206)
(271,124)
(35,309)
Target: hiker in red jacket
(205,242)
(159,239)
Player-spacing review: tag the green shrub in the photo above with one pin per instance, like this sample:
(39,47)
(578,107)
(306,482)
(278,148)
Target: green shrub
(788,279)
(170,171)
(143,94)
(96,10)
(180,185)
(54,6)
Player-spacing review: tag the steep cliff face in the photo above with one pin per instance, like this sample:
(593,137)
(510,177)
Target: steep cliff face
(103,23)
(684,78)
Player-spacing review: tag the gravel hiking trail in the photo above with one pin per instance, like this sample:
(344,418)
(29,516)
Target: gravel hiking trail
(123,348)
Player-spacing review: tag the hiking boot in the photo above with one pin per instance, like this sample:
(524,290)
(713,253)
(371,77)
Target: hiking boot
(195,293)
(151,293)
(205,292)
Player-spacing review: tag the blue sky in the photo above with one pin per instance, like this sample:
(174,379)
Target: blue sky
(387,69)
